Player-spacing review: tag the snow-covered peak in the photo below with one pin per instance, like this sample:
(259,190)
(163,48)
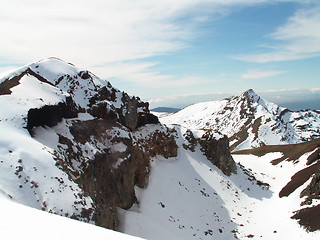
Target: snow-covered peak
(76,87)
(249,121)
(53,68)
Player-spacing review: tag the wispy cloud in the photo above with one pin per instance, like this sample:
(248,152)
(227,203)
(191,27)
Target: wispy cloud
(315,90)
(298,38)
(141,74)
(290,95)
(108,37)
(88,32)
(255,74)
(112,37)
(181,101)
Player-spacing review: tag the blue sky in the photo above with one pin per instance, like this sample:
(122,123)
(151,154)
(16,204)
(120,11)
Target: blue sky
(175,53)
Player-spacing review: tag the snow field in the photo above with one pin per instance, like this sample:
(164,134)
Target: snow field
(22,222)
(189,198)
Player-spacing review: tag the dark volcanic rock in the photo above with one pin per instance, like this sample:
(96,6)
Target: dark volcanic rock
(192,141)
(312,191)
(309,218)
(110,175)
(50,115)
(103,110)
(132,112)
(299,179)
(218,152)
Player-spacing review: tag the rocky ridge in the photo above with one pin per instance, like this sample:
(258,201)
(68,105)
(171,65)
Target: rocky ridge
(250,121)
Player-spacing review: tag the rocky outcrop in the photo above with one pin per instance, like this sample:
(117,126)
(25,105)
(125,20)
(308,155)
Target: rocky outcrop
(216,149)
(191,141)
(121,161)
(312,191)
(130,112)
(50,115)
(309,218)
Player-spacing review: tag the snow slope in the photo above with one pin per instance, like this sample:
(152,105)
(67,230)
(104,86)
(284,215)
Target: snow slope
(21,222)
(249,121)
(189,198)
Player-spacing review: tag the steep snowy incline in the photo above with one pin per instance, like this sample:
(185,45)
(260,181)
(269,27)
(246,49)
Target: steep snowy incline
(190,198)
(249,121)
(21,222)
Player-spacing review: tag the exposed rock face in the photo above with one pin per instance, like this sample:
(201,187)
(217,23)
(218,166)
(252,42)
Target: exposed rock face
(192,141)
(309,218)
(215,146)
(218,152)
(312,191)
(109,175)
(51,115)
(132,112)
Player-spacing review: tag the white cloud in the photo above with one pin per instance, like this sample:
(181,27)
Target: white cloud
(315,90)
(108,36)
(105,36)
(254,74)
(89,32)
(298,38)
(181,101)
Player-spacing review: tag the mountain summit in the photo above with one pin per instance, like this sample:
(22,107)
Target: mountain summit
(55,82)
(250,121)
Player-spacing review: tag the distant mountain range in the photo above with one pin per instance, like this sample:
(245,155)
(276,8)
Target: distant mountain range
(165,110)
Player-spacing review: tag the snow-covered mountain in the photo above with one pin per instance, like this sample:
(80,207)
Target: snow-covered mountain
(72,145)
(249,121)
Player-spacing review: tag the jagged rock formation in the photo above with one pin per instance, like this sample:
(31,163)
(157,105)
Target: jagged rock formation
(312,191)
(216,148)
(249,121)
(110,175)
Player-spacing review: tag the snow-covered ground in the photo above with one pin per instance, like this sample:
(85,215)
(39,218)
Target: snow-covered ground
(21,222)
(189,198)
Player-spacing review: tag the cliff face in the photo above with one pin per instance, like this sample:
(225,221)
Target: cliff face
(215,147)
(111,174)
